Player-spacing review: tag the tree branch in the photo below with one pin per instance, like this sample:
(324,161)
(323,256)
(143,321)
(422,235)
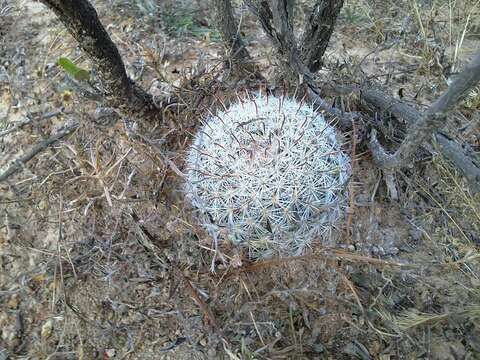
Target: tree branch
(29,120)
(20,162)
(277,25)
(262,11)
(287,44)
(460,157)
(388,104)
(81,20)
(284,41)
(318,30)
(229,30)
(345,119)
(449,148)
(432,120)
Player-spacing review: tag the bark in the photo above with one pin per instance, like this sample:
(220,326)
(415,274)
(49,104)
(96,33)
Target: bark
(431,121)
(262,11)
(277,24)
(390,105)
(229,30)
(287,45)
(344,119)
(459,155)
(461,158)
(318,31)
(81,20)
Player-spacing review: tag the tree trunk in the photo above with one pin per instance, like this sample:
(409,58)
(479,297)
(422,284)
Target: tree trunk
(120,92)
(318,31)
(277,23)
(229,30)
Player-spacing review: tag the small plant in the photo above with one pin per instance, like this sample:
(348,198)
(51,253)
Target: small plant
(269,174)
(73,70)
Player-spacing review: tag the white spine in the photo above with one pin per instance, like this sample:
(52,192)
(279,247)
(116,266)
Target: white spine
(269,174)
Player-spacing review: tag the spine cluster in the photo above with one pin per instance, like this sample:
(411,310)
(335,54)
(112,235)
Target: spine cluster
(267,173)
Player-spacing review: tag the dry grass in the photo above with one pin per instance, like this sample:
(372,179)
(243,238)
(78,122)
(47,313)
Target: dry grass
(101,258)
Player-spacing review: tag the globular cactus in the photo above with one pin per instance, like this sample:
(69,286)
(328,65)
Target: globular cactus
(267,173)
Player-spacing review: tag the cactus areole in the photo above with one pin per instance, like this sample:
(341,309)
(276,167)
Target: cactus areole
(268,173)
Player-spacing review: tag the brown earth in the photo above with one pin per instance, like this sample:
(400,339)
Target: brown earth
(100,258)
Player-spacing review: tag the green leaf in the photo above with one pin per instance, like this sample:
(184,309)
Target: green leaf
(73,70)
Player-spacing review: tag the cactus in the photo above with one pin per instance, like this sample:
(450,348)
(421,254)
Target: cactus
(267,173)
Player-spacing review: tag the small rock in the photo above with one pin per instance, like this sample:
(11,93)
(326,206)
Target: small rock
(393,251)
(377,250)
(110,353)
(122,309)
(448,350)
(475,282)
(43,205)
(212,353)
(416,234)
(47,329)
(8,333)
(3,354)
(13,302)
(318,348)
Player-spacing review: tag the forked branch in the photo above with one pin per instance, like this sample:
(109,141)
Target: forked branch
(277,25)
(431,121)
(460,155)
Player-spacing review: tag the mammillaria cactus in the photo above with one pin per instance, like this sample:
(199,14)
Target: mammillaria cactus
(267,173)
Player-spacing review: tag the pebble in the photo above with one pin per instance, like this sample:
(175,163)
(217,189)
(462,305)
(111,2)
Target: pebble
(212,353)
(47,329)
(110,353)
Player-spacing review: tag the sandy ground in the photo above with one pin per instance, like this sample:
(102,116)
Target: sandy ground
(84,277)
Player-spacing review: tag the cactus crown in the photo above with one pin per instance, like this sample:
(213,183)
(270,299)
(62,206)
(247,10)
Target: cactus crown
(268,173)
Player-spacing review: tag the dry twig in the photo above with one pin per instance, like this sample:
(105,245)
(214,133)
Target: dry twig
(29,120)
(20,162)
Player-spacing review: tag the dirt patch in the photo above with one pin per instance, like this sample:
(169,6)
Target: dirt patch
(101,258)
